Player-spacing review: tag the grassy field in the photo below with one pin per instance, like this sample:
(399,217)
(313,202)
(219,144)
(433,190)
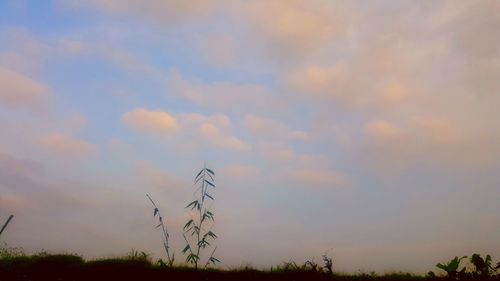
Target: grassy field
(139,267)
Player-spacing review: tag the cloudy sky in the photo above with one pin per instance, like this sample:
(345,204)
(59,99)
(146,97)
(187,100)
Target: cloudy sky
(369,129)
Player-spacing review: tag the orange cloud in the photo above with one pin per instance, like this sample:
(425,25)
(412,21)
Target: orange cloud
(314,79)
(210,128)
(394,93)
(13,202)
(150,121)
(439,130)
(292,28)
(381,129)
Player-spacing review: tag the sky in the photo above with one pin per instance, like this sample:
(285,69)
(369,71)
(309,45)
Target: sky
(366,129)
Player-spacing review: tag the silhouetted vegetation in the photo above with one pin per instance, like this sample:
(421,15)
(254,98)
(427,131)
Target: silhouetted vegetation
(482,268)
(198,230)
(138,265)
(451,267)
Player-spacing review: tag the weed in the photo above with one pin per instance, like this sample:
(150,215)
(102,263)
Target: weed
(451,267)
(199,227)
(291,266)
(328,264)
(156,212)
(138,256)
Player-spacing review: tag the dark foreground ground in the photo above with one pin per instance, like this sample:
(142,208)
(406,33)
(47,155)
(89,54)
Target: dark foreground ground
(69,268)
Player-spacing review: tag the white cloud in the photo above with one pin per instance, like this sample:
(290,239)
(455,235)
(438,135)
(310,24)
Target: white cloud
(224,96)
(269,128)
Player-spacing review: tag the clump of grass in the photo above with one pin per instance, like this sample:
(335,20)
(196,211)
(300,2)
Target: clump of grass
(7,252)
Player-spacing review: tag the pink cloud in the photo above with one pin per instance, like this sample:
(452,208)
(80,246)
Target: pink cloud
(217,137)
(65,145)
(18,90)
(319,178)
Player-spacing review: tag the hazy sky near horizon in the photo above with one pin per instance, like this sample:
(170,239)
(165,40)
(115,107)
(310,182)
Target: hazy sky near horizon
(369,129)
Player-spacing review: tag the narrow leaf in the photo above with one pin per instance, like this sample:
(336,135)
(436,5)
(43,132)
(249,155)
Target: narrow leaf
(209,183)
(186,249)
(188,223)
(213,260)
(199,173)
(192,204)
(210,176)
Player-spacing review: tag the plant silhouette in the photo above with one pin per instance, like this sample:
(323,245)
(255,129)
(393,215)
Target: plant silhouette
(199,226)
(166,236)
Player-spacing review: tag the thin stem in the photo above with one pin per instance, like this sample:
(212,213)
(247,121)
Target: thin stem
(211,256)
(165,232)
(200,207)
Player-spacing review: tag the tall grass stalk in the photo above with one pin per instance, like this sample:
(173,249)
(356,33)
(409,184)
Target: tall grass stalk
(163,226)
